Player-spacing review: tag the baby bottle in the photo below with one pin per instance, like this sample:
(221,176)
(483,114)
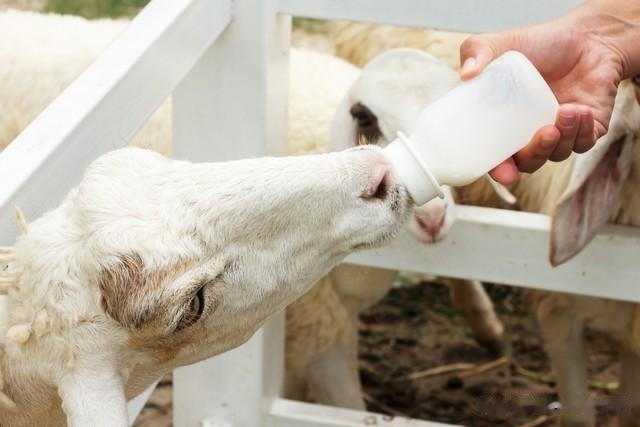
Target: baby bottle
(473,128)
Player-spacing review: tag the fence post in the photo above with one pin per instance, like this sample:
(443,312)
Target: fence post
(232,105)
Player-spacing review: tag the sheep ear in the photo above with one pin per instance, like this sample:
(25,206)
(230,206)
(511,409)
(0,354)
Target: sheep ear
(596,182)
(502,191)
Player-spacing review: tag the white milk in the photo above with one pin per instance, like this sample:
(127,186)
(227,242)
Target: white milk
(474,127)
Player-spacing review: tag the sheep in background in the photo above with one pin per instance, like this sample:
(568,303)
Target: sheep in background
(599,186)
(581,194)
(322,366)
(42,54)
(359,42)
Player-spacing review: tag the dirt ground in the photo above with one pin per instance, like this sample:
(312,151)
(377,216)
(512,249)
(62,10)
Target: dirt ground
(415,329)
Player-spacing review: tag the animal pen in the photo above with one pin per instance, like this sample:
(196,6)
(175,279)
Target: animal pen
(225,63)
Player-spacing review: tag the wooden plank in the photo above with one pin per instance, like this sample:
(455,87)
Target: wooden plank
(512,248)
(453,15)
(135,406)
(106,105)
(290,413)
(233,104)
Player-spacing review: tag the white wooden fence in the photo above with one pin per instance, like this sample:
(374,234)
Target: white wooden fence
(226,64)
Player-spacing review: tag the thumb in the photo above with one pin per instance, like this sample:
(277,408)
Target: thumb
(476,52)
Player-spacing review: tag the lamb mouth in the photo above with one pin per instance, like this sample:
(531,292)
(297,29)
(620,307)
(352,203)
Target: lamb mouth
(400,205)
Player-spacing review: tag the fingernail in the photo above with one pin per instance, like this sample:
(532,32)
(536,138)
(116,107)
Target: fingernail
(468,66)
(567,120)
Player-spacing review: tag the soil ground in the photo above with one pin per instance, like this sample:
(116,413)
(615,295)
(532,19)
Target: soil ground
(415,329)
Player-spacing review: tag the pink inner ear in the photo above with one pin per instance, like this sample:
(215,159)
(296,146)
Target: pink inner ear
(582,212)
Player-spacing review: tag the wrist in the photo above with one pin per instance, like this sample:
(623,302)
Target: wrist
(617,24)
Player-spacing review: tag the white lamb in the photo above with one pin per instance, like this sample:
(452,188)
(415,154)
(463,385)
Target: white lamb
(322,344)
(42,54)
(581,194)
(599,186)
(151,263)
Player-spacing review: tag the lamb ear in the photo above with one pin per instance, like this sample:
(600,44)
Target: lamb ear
(596,182)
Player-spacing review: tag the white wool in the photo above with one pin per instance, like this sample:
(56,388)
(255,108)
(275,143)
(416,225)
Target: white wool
(359,43)
(45,53)
(42,54)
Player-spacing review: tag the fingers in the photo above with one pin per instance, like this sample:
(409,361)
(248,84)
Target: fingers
(572,132)
(576,126)
(476,52)
(537,152)
(586,139)
(568,123)
(505,173)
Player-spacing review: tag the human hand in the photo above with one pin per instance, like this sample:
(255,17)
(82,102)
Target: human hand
(582,68)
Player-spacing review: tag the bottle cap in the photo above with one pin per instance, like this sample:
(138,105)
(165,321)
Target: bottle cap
(412,171)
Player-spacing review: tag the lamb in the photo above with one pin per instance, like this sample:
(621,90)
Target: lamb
(322,366)
(42,54)
(47,52)
(359,42)
(599,186)
(200,261)
(581,194)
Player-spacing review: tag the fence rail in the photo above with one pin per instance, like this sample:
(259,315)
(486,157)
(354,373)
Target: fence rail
(103,108)
(453,15)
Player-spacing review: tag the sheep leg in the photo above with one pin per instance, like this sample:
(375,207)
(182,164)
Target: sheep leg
(629,393)
(334,378)
(472,302)
(564,343)
(93,392)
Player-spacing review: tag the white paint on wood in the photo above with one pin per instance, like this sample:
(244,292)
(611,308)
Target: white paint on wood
(134,407)
(512,247)
(289,413)
(453,15)
(106,105)
(233,104)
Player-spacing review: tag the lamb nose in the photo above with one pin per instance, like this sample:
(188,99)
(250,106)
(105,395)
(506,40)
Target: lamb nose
(377,183)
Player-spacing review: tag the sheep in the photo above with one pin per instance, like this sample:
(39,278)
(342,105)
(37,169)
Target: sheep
(587,191)
(580,194)
(46,52)
(150,264)
(42,54)
(317,83)
(359,42)
(322,366)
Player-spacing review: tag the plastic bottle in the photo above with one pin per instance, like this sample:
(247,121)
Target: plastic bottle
(474,127)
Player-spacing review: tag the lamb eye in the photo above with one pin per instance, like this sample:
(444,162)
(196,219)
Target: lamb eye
(636,80)
(193,313)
